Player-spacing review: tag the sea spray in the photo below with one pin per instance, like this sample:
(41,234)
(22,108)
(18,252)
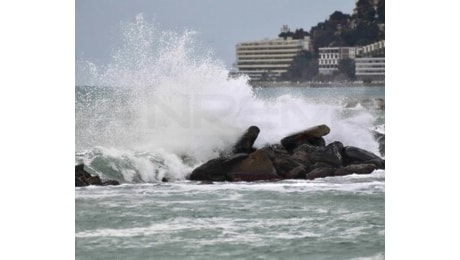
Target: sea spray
(161,107)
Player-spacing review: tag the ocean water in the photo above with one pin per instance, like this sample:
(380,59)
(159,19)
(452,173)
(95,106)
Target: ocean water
(163,106)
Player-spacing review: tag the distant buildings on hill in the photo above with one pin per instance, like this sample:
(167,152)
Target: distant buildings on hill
(369,60)
(269,59)
(341,48)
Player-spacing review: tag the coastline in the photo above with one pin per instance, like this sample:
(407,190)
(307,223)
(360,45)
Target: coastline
(316,84)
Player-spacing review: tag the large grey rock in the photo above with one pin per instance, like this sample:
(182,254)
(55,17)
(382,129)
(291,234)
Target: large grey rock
(331,154)
(245,143)
(216,169)
(312,136)
(320,173)
(83,178)
(363,168)
(355,155)
(256,167)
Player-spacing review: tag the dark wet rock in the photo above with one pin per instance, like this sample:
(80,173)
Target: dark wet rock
(213,170)
(110,183)
(363,168)
(79,182)
(83,178)
(299,172)
(245,143)
(354,155)
(317,165)
(235,158)
(285,167)
(312,136)
(320,173)
(81,175)
(331,154)
(80,171)
(379,163)
(300,156)
(275,151)
(256,167)
(216,169)
(94,180)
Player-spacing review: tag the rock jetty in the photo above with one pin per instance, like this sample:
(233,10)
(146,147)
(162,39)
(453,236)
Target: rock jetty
(302,155)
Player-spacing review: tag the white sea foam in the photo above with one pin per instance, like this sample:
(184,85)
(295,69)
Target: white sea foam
(165,101)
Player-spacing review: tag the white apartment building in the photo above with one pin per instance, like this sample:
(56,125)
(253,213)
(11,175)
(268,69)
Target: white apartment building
(329,58)
(376,49)
(372,68)
(268,59)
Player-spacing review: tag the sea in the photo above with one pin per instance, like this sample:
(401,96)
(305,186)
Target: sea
(164,105)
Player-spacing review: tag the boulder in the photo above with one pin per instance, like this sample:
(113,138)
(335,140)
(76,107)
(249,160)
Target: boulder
(289,168)
(83,178)
(80,171)
(320,173)
(79,182)
(354,155)
(275,151)
(256,167)
(245,143)
(81,175)
(317,165)
(299,172)
(94,180)
(110,183)
(312,136)
(363,168)
(213,170)
(216,169)
(331,154)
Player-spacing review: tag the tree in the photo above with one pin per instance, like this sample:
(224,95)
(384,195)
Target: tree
(381,11)
(347,67)
(304,67)
(365,10)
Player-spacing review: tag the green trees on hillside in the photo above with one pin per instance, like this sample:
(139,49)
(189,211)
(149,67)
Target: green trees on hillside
(304,67)
(365,26)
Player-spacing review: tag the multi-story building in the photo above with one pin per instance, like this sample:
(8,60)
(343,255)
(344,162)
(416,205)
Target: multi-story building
(370,68)
(329,58)
(370,65)
(369,60)
(376,49)
(268,59)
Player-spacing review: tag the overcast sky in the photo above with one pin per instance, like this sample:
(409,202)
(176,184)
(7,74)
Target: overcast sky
(220,24)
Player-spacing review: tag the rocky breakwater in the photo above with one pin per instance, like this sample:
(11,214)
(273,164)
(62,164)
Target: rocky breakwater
(303,155)
(83,178)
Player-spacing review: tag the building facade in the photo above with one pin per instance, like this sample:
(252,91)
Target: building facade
(370,68)
(370,63)
(329,58)
(268,59)
(376,49)
(369,60)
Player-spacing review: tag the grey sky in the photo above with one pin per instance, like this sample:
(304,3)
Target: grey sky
(220,24)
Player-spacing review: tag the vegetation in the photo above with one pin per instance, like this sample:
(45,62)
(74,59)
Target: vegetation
(363,27)
(304,67)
